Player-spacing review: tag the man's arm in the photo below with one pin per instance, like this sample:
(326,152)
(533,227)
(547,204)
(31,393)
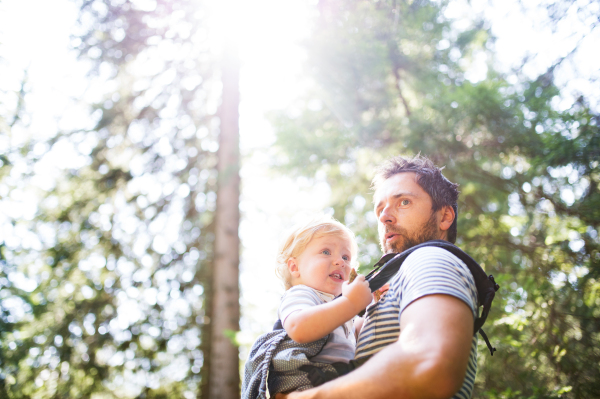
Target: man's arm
(429,360)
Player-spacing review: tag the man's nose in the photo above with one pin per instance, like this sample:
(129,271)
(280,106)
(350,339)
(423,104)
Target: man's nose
(386,216)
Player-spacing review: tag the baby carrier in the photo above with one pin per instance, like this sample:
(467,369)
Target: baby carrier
(278,364)
(275,364)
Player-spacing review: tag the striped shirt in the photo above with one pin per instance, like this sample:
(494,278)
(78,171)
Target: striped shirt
(426,271)
(341,343)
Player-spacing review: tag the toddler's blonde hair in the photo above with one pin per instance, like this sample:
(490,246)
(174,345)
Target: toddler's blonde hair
(302,234)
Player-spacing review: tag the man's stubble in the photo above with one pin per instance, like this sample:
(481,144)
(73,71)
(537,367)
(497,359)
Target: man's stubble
(428,231)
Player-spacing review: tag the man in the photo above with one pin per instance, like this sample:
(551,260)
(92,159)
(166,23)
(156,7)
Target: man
(418,338)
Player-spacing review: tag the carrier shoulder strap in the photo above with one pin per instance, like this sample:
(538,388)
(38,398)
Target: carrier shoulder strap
(390,263)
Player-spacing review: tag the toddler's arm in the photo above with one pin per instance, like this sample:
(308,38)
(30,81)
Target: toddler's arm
(313,323)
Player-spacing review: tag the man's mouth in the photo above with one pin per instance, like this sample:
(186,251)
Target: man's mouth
(389,236)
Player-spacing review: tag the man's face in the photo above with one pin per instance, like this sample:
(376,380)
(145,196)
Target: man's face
(404,212)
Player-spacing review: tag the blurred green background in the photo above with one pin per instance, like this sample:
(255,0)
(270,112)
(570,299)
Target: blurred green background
(108,187)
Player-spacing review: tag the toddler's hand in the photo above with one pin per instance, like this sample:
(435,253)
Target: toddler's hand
(358,292)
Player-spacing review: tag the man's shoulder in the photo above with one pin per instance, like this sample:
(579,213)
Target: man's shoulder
(434,270)
(426,258)
(432,251)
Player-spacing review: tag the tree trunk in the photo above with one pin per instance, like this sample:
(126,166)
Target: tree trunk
(224,376)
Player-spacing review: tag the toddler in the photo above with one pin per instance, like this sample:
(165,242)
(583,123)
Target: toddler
(314,263)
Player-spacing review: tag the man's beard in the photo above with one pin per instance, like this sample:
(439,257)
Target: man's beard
(428,231)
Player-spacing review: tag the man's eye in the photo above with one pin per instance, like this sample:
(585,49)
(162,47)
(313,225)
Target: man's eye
(326,252)
(404,202)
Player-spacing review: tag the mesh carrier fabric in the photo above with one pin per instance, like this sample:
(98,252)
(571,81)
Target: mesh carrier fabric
(274,363)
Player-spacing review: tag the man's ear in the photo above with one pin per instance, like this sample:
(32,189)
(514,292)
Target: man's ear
(447,218)
(292,265)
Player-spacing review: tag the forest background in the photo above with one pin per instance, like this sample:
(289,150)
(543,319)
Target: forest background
(112,120)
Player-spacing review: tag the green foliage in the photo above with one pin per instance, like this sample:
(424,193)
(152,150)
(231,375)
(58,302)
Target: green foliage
(395,78)
(103,281)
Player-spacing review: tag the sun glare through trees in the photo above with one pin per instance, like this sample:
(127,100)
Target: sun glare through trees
(147,144)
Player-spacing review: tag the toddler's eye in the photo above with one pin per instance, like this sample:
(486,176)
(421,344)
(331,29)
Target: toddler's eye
(346,258)
(326,252)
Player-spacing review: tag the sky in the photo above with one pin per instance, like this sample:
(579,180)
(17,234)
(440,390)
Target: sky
(271,78)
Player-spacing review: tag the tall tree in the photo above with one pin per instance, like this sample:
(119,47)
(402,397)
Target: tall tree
(224,382)
(105,282)
(396,78)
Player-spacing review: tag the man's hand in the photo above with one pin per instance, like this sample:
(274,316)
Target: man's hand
(358,293)
(294,395)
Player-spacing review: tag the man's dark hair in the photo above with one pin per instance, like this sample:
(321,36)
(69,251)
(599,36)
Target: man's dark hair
(441,190)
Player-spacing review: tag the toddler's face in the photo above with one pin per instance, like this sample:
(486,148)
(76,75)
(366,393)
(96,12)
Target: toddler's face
(323,265)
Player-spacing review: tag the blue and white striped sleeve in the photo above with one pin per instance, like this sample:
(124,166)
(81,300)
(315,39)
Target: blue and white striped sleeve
(431,270)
